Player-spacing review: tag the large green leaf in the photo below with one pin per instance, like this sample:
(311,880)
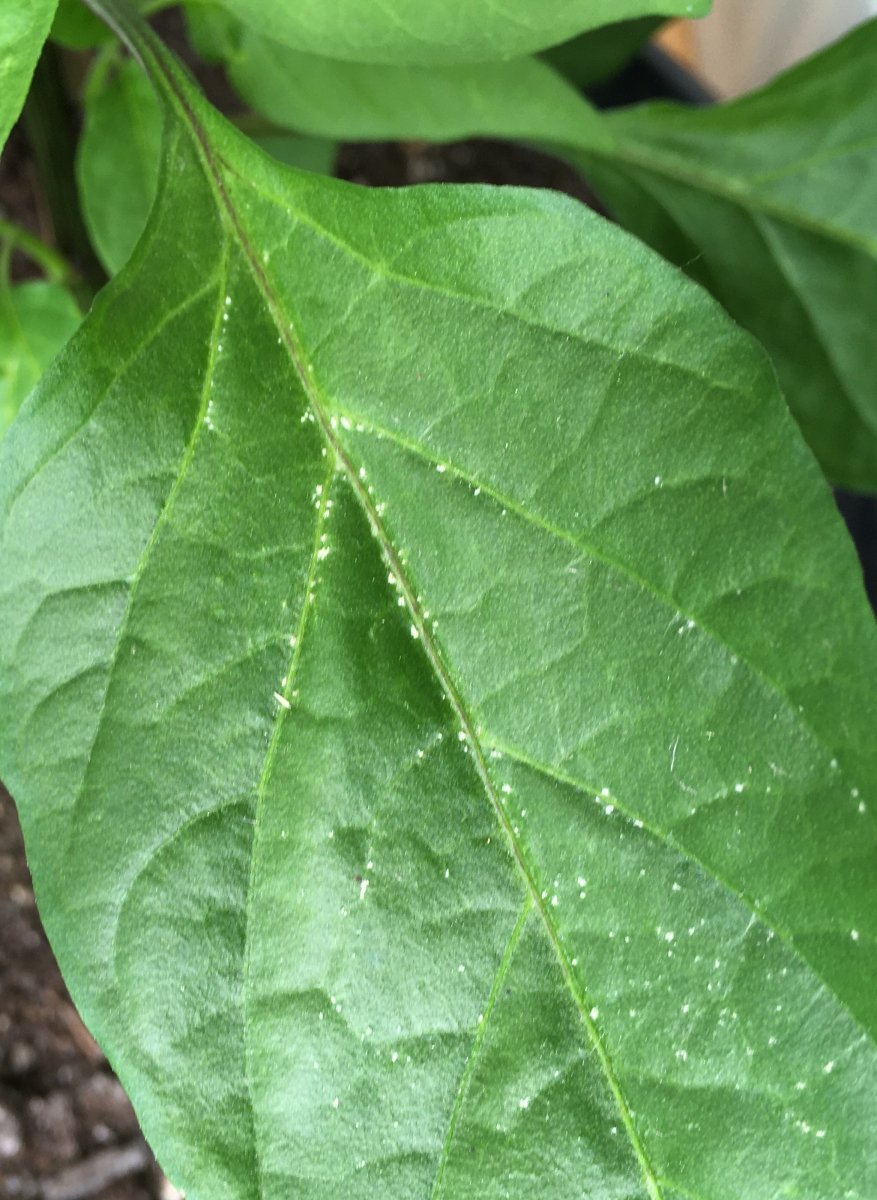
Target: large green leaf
(329,97)
(440,31)
(24,27)
(771,202)
(118,159)
(438,692)
(36,319)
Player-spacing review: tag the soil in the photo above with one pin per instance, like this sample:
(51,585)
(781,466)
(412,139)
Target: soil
(67,1131)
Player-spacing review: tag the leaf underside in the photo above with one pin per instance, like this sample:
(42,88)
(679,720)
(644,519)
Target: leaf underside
(436,687)
(432,32)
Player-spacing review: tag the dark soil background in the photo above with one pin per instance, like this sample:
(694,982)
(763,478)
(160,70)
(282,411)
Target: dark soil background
(67,1131)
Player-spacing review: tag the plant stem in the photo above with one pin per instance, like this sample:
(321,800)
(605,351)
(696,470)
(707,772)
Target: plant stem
(49,121)
(53,264)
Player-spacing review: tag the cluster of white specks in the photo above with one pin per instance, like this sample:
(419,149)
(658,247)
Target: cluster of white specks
(739,787)
(682,1055)
(462,968)
(506,789)
(675,887)
(669,935)
(524,1102)
(800,1085)
(805,1127)
(441,468)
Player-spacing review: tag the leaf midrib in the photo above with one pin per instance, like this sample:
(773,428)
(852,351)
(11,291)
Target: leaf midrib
(170,87)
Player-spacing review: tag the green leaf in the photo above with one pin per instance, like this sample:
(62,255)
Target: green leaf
(431,32)
(594,57)
(77,28)
(24,27)
(771,202)
(36,319)
(439,695)
(118,159)
(214,33)
(305,153)
(520,99)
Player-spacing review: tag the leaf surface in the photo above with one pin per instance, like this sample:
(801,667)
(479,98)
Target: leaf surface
(771,202)
(24,27)
(436,685)
(523,99)
(36,319)
(118,158)
(432,32)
